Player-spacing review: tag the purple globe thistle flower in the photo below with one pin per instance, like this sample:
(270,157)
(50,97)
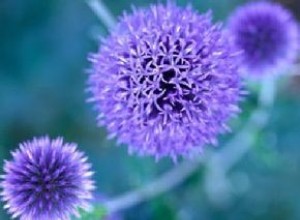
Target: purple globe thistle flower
(47,179)
(268,35)
(165,82)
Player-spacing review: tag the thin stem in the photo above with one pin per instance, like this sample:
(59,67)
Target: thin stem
(157,187)
(226,158)
(243,140)
(221,163)
(102,12)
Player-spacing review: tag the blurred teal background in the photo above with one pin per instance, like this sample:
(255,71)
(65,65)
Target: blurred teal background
(43,50)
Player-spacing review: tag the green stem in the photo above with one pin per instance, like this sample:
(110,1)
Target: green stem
(102,13)
(222,162)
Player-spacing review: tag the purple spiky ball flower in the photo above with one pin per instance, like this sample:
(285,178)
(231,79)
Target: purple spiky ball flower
(46,179)
(165,81)
(267,34)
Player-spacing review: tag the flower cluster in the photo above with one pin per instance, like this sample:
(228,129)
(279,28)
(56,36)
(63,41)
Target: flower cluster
(47,180)
(165,84)
(268,35)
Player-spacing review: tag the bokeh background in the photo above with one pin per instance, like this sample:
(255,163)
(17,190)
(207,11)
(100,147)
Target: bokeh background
(43,50)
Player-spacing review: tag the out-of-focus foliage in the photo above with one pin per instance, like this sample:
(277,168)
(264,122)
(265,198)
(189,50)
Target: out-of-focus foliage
(43,49)
(97,212)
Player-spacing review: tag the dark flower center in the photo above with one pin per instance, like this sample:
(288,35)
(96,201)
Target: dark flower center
(161,80)
(262,41)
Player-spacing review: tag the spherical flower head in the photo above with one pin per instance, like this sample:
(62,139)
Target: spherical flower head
(165,82)
(268,35)
(46,179)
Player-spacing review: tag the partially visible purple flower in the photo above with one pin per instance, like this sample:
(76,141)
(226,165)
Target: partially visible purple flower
(166,81)
(268,35)
(46,180)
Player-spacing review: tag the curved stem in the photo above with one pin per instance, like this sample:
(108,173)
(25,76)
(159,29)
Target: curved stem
(225,159)
(157,187)
(228,156)
(102,12)
(222,162)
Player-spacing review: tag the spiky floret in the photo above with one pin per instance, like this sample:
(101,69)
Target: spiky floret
(165,81)
(46,179)
(267,34)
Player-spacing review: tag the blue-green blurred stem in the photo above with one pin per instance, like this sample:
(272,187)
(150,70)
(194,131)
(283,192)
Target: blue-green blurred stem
(222,162)
(102,13)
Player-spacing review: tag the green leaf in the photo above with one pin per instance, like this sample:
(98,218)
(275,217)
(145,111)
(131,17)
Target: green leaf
(98,212)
